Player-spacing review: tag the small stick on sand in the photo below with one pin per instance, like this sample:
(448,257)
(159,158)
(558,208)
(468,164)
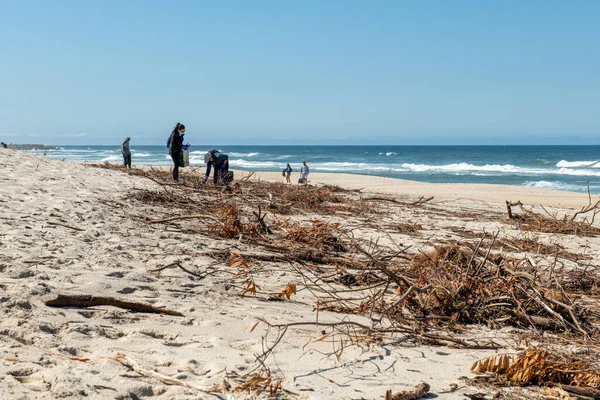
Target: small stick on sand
(84,301)
(66,226)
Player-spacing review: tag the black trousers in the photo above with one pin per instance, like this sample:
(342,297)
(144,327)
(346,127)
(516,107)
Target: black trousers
(176,161)
(127,160)
(220,171)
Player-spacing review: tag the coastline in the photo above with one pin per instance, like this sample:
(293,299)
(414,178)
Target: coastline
(492,193)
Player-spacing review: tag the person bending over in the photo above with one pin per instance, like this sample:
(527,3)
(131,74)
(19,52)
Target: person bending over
(175,145)
(126,153)
(219,162)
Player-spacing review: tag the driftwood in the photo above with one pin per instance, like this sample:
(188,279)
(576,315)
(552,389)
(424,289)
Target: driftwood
(419,391)
(586,392)
(510,205)
(84,301)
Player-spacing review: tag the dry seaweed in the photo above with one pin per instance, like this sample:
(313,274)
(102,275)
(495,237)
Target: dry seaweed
(536,367)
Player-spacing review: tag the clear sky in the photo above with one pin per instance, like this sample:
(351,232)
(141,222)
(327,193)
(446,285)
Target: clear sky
(300,72)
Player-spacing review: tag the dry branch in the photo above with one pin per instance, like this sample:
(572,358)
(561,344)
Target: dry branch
(66,226)
(531,221)
(406,294)
(84,301)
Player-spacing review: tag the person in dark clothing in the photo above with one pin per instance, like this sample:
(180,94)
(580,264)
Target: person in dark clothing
(219,162)
(3,145)
(126,153)
(288,172)
(175,145)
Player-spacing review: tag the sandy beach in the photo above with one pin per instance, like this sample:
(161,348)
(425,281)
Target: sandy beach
(74,229)
(454,191)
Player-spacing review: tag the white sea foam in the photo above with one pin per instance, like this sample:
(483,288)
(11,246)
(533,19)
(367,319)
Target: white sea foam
(578,172)
(461,167)
(74,150)
(575,164)
(113,158)
(234,154)
(391,153)
(557,186)
(255,164)
(141,154)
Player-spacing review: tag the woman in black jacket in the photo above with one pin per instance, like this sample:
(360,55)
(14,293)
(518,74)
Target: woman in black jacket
(175,144)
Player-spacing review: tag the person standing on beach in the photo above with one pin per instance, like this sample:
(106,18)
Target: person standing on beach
(126,153)
(175,145)
(288,172)
(304,171)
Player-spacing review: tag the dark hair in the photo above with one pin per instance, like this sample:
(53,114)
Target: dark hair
(178,127)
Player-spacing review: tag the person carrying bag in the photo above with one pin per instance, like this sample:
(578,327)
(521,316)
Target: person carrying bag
(175,145)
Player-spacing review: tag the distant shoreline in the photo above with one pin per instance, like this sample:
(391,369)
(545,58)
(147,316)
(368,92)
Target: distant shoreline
(569,169)
(31,147)
(493,193)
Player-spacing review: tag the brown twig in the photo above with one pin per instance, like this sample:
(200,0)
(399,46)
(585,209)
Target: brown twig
(66,226)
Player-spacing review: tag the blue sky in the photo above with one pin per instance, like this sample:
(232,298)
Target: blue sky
(300,72)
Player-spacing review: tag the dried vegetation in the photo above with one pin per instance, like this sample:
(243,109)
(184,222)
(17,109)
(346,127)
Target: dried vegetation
(427,297)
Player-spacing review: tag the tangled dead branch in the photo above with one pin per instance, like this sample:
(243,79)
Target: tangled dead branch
(531,221)
(477,286)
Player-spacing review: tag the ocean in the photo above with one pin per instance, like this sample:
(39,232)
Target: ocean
(568,168)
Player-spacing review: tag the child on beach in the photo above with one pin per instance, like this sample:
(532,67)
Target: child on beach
(304,171)
(126,153)
(175,145)
(288,173)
